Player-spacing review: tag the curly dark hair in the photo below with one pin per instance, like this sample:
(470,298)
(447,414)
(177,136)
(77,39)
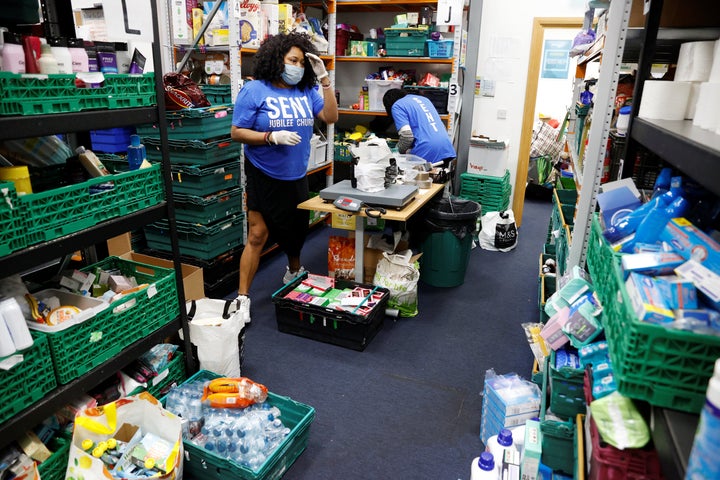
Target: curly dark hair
(269,61)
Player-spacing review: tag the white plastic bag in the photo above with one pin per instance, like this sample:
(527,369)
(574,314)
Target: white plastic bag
(400,273)
(373,158)
(499,232)
(215,326)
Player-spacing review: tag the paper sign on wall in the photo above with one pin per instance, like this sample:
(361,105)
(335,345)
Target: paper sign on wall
(132,20)
(449,12)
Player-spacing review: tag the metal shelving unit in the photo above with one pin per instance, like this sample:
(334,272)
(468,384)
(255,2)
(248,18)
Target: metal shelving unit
(31,126)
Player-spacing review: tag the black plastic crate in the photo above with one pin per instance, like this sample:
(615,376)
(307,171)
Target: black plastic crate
(327,325)
(438,96)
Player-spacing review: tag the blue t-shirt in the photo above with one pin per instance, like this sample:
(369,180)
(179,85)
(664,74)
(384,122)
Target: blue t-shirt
(431,137)
(264,108)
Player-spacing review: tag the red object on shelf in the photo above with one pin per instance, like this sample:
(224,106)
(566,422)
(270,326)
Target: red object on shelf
(610,463)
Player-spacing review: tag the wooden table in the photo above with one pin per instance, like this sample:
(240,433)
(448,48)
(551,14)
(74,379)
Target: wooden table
(402,215)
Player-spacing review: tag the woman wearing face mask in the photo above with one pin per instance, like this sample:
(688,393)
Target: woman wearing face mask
(274,117)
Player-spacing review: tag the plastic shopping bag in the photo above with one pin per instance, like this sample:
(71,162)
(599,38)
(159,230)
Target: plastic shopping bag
(499,232)
(400,273)
(216,328)
(141,427)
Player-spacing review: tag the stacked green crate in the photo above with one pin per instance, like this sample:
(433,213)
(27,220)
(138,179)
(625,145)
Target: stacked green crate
(561,224)
(492,193)
(208,197)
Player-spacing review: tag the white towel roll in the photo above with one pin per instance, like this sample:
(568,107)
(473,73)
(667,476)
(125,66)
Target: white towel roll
(692,100)
(663,100)
(707,113)
(695,61)
(715,70)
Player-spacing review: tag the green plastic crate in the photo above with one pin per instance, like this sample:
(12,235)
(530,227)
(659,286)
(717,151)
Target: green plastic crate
(217,94)
(566,197)
(54,468)
(22,94)
(12,232)
(193,124)
(28,381)
(565,183)
(210,208)
(406,42)
(567,396)
(195,152)
(342,152)
(204,180)
(547,285)
(562,248)
(558,437)
(663,366)
(62,211)
(80,348)
(200,241)
(201,464)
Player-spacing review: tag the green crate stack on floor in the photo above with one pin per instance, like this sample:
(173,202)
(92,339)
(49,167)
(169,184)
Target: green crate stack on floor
(492,193)
(207,192)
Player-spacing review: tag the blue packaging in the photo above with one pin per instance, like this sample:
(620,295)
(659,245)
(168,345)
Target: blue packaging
(647,301)
(677,292)
(691,242)
(616,204)
(651,263)
(135,152)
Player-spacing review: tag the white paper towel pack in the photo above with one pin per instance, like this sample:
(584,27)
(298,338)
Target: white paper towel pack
(695,61)
(707,113)
(715,71)
(692,100)
(663,100)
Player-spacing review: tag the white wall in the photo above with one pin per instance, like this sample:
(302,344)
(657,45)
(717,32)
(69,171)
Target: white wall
(503,55)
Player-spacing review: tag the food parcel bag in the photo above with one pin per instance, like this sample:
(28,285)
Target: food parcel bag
(131,433)
(400,273)
(216,329)
(498,232)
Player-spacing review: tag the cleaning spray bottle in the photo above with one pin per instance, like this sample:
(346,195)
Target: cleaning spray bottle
(136,152)
(648,231)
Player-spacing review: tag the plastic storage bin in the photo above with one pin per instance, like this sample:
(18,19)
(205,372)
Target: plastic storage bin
(342,328)
(62,211)
(54,467)
(80,348)
(195,152)
(663,366)
(493,193)
(437,95)
(342,40)
(446,250)
(204,180)
(377,89)
(558,437)
(27,382)
(440,48)
(112,140)
(57,93)
(192,124)
(200,241)
(201,464)
(567,395)
(406,42)
(209,208)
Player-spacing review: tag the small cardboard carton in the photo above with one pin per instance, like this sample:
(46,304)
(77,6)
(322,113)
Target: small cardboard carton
(192,275)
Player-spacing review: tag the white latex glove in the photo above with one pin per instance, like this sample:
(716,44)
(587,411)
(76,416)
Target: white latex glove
(317,65)
(284,137)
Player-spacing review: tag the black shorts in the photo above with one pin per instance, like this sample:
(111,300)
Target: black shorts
(277,200)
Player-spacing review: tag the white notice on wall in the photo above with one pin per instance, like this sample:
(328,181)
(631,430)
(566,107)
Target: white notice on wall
(449,12)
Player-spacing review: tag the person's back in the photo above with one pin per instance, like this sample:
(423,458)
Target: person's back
(418,114)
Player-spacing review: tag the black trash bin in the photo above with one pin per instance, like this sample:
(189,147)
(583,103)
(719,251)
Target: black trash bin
(451,224)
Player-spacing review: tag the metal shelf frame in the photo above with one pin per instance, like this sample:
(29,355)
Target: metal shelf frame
(29,126)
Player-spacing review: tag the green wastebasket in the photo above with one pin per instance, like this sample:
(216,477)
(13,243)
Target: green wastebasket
(450,226)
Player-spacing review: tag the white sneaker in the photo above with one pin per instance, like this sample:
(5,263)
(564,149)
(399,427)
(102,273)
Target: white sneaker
(243,306)
(290,276)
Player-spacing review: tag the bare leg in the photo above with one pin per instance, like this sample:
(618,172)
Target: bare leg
(250,259)
(293,263)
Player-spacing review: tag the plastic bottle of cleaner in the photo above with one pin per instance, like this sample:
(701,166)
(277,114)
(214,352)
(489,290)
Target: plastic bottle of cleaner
(704,462)
(47,61)
(91,162)
(497,444)
(483,467)
(61,52)
(78,54)
(136,152)
(13,55)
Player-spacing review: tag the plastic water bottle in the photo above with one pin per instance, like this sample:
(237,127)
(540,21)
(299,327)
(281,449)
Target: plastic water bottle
(483,467)
(136,152)
(704,462)
(497,444)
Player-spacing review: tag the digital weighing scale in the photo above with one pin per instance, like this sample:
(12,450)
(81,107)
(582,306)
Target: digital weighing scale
(395,196)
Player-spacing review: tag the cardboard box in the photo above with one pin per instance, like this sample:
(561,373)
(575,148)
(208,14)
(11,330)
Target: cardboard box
(182,20)
(532,451)
(193,285)
(615,204)
(692,243)
(489,161)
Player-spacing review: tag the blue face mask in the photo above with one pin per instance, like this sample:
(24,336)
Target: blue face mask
(292,74)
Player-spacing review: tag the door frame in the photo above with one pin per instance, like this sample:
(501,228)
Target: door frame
(536,45)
